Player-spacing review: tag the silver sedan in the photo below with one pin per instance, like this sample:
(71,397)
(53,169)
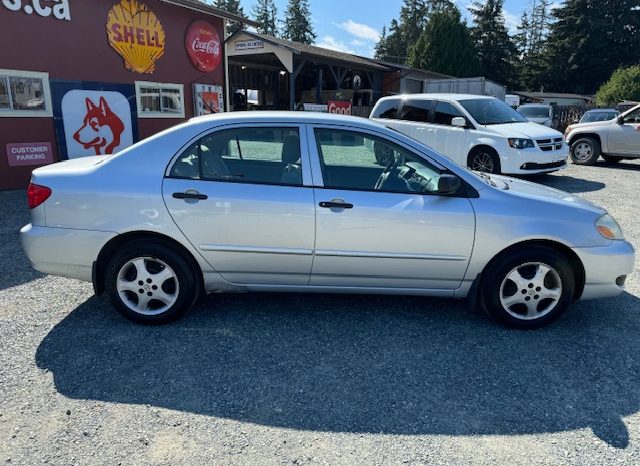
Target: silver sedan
(300,202)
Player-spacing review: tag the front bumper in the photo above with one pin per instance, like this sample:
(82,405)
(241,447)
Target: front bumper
(62,251)
(604,266)
(534,161)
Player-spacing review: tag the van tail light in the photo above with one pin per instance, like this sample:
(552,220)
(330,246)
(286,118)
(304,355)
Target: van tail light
(37,194)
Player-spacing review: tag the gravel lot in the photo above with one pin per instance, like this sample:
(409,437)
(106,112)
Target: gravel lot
(310,379)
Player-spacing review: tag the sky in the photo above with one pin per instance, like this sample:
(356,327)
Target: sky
(354,25)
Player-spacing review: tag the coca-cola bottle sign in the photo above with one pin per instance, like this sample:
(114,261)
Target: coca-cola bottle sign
(203,46)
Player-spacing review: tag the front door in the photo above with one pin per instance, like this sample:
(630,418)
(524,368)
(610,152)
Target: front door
(239,196)
(624,138)
(386,227)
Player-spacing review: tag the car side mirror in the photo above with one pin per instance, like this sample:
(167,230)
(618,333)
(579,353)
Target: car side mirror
(448,184)
(459,122)
(620,120)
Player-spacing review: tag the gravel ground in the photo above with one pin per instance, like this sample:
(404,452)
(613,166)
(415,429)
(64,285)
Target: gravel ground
(312,379)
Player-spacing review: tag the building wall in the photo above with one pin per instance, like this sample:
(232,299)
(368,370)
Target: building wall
(78,50)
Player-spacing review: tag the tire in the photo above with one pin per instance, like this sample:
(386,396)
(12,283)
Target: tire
(484,160)
(384,154)
(150,283)
(523,278)
(610,159)
(585,151)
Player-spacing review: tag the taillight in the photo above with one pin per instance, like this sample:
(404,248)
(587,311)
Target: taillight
(37,194)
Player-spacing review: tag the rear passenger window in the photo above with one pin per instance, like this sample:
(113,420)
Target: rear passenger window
(388,109)
(249,155)
(445,112)
(416,110)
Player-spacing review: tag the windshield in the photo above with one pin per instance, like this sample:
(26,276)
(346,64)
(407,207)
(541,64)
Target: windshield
(534,112)
(491,112)
(598,116)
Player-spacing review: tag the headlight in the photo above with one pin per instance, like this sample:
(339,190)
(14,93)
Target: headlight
(609,228)
(517,143)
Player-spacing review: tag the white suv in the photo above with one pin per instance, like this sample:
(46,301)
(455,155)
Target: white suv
(480,132)
(615,139)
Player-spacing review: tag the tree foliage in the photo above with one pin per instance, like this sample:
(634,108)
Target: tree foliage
(297,22)
(496,50)
(266,13)
(588,40)
(231,6)
(623,85)
(445,46)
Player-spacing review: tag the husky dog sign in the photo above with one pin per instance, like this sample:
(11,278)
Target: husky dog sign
(96,122)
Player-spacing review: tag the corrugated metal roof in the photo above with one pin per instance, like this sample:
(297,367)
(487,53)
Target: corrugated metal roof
(210,10)
(320,52)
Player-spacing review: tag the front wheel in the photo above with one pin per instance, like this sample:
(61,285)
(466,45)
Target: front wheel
(530,288)
(150,283)
(585,151)
(484,161)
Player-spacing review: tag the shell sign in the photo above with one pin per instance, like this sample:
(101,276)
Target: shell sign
(136,34)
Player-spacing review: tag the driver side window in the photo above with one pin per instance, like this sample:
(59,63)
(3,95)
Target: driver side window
(361,162)
(633,118)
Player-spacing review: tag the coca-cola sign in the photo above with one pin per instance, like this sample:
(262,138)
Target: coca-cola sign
(203,46)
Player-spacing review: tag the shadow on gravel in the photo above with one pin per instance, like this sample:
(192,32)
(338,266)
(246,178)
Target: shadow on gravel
(360,364)
(567,183)
(622,165)
(14,267)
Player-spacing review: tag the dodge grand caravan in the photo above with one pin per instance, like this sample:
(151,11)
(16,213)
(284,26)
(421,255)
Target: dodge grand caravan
(480,132)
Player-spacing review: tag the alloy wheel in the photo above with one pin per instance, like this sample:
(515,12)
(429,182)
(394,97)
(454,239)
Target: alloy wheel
(147,286)
(482,162)
(531,291)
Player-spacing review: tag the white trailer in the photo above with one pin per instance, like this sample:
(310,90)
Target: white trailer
(479,86)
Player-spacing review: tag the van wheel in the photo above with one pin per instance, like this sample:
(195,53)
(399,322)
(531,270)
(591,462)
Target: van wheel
(529,288)
(585,151)
(150,283)
(484,160)
(384,154)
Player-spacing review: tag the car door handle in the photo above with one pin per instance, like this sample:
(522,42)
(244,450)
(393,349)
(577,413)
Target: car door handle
(336,205)
(190,195)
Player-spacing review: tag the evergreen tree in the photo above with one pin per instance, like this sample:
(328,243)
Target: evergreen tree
(445,46)
(404,33)
(297,22)
(623,85)
(588,40)
(266,14)
(391,47)
(496,50)
(231,6)
(441,6)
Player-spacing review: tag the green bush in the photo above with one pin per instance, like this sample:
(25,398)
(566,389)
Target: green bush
(624,84)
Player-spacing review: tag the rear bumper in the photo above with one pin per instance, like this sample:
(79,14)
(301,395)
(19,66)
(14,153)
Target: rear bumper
(61,251)
(604,266)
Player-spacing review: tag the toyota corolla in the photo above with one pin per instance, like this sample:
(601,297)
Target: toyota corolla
(299,202)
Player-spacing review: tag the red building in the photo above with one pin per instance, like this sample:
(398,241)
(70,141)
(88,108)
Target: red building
(82,78)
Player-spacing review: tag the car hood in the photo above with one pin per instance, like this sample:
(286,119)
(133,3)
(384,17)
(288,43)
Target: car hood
(539,120)
(527,130)
(592,124)
(535,191)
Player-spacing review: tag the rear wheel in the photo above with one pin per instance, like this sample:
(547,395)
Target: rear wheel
(529,288)
(484,160)
(150,283)
(585,151)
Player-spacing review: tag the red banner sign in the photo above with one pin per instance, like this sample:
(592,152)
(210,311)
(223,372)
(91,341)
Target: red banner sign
(30,153)
(203,46)
(339,106)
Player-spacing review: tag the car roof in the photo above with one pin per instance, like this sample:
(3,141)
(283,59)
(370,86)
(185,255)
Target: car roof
(285,117)
(595,110)
(535,105)
(438,96)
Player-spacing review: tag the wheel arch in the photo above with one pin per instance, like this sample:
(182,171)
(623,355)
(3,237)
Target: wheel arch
(595,136)
(572,257)
(480,147)
(117,242)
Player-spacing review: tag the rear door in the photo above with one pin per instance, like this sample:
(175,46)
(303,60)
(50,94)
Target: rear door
(242,197)
(385,227)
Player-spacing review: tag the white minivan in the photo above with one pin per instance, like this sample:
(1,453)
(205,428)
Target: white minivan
(480,132)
